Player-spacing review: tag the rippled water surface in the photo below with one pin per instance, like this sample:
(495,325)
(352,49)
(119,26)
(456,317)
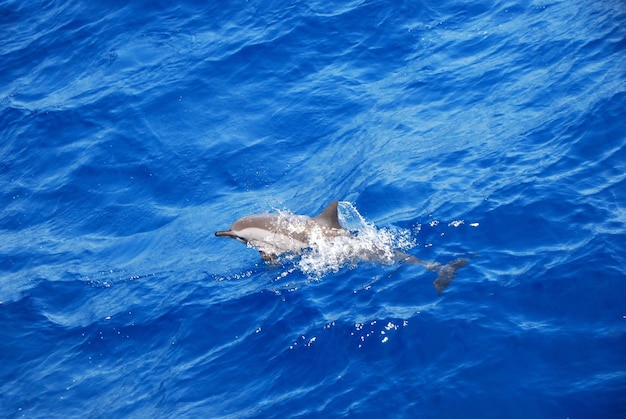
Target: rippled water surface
(492,131)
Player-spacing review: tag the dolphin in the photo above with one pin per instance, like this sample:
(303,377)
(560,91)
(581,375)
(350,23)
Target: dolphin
(277,234)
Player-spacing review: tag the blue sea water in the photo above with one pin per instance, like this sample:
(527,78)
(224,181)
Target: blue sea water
(131,132)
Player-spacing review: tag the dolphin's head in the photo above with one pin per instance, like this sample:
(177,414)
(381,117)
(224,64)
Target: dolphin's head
(252,227)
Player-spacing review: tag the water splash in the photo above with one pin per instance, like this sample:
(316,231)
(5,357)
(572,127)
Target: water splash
(365,243)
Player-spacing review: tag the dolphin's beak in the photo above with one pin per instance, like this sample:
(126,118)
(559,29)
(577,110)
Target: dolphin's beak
(226,233)
(230,234)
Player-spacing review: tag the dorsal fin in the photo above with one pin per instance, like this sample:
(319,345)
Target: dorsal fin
(329,217)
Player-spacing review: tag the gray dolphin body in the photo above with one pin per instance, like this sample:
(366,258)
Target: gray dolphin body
(276,234)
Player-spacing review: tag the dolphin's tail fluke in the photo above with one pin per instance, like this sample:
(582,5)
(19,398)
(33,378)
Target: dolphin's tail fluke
(445,273)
